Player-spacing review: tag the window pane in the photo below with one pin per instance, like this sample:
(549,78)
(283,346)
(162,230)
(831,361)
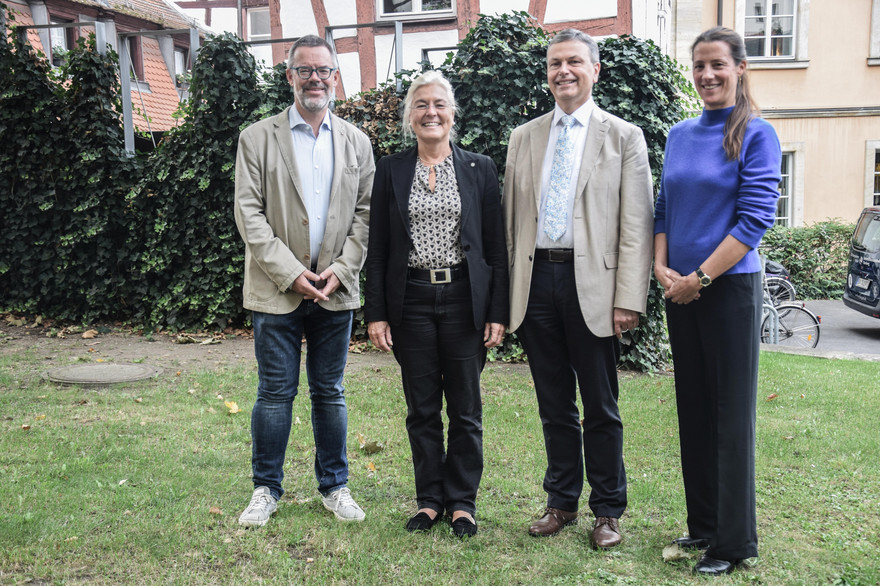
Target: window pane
(755,27)
(755,47)
(783,205)
(58,38)
(756,8)
(782,26)
(876,178)
(781,47)
(436,5)
(258,23)
(783,7)
(392,6)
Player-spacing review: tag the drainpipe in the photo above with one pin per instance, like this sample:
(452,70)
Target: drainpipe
(720,10)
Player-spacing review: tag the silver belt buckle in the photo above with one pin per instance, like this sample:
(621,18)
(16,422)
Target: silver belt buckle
(441,276)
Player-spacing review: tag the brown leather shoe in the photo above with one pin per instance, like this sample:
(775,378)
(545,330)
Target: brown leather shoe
(606,533)
(552,521)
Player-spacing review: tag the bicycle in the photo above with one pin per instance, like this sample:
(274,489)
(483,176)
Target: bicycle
(787,323)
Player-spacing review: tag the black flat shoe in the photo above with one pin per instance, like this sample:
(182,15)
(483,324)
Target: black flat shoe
(421,522)
(464,527)
(691,542)
(709,566)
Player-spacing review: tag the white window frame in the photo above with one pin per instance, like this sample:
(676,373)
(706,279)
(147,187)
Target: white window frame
(416,13)
(800,58)
(874,51)
(872,149)
(785,185)
(251,36)
(795,151)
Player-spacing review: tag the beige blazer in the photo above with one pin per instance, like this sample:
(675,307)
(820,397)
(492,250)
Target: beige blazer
(273,222)
(613,218)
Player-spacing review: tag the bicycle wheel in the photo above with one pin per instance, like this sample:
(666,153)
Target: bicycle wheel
(797,327)
(781,290)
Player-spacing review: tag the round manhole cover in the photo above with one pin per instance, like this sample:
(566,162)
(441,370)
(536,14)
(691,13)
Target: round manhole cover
(102,374)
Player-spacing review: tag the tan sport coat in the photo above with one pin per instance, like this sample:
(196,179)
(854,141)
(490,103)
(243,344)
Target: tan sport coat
(272,218)
(613,218)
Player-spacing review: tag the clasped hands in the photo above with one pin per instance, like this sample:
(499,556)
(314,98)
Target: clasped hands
(316,287)
(677,288)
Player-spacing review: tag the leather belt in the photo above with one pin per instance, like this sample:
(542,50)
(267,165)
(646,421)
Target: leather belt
(554,254)
(439,276)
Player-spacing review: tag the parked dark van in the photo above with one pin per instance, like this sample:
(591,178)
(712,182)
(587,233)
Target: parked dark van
(863,281)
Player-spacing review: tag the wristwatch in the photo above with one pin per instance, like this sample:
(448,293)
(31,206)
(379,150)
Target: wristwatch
(705,280)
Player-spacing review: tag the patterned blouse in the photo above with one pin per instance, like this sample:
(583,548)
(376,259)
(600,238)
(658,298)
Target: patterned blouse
(435,218)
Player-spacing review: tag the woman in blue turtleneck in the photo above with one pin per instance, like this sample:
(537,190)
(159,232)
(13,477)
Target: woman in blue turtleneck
(717,198)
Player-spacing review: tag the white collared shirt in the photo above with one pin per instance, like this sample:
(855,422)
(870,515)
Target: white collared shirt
(579,135)
(314,163)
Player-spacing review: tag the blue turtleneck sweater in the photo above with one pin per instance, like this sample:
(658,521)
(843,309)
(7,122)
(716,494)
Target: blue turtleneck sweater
(704,196)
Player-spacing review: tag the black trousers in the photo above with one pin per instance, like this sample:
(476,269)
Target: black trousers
(565,356)
(441,354)
(715,347)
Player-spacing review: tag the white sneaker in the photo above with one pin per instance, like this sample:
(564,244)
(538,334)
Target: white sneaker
(343,506)
(262,506)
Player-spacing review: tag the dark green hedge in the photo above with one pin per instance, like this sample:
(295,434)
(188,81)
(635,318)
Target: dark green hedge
(817,257)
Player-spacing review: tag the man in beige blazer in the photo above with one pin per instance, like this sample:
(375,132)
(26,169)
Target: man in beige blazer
(578,213)
(303,181)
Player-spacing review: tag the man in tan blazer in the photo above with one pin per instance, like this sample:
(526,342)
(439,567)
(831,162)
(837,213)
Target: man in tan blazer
(303,181)
(578,213)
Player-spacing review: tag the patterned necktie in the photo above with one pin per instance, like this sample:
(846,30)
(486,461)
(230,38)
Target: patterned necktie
(556,207)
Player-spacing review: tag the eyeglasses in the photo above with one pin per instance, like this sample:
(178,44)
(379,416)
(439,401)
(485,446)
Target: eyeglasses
(440,107)
(306,72)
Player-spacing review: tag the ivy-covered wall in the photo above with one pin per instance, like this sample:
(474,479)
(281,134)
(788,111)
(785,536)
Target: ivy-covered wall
(91,234)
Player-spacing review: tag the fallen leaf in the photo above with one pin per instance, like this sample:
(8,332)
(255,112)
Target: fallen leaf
(310,560)
(219,396)
(90,350)
(788,437)
(673,553)
(373,447)
(69,539)
(371,466)
(297,421)
(99,360)
(178,373)
(39,417)
(215,511)
(232,406)
(139,400)
(772,396)
(210,341)
(185,340)
(123,481)
(803,396)
(25,427)
(191,391)
(89,334)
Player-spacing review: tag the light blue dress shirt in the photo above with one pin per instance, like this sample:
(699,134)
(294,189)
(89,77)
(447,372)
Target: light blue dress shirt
(314,162)
(578,133)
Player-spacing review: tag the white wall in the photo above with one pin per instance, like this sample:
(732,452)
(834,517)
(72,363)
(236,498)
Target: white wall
(571,10)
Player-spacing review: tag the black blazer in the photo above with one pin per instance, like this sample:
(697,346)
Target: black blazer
(482,237)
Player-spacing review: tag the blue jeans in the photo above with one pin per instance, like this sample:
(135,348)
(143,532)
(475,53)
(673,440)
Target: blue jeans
(278,347)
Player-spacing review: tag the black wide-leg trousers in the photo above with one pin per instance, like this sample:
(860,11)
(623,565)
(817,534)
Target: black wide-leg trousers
(715,348)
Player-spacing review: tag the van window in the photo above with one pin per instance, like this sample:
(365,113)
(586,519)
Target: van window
(867,234)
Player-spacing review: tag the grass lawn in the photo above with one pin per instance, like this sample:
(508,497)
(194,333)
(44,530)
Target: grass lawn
(143,483)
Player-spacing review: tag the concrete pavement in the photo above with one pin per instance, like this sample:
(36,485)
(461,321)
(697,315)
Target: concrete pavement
(844,333)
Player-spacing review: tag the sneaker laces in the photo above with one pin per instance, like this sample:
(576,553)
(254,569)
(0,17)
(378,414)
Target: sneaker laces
(345,499)
(260,501)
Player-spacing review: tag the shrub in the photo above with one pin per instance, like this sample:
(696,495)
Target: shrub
(817,256)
